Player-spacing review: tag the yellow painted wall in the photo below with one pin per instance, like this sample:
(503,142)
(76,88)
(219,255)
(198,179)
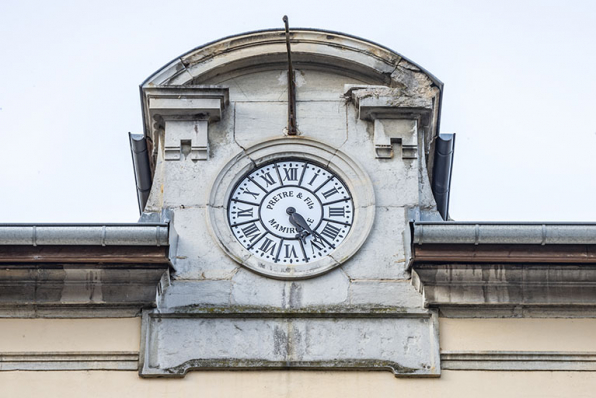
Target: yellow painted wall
(37,335)
(523,334)
(123,334)
(298,384)
(17,335)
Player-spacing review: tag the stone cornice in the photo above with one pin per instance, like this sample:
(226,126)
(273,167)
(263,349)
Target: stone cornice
(507,290)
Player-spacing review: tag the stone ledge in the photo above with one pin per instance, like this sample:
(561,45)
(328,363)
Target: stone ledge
(173,344)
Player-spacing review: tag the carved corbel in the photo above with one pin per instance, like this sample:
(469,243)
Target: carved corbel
(184,113)
(396,115)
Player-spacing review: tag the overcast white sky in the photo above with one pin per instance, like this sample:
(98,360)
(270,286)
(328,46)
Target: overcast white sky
(520,92)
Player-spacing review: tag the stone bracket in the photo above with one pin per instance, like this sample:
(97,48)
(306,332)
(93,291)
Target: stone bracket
(184,113)
(396,114)
(389,132)
(405,343)
(186,137)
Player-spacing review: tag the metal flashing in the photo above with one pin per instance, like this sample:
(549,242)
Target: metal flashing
(442,168)
(142,168)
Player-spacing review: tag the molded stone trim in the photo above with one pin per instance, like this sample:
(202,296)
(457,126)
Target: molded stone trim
(116,360)
(518,360)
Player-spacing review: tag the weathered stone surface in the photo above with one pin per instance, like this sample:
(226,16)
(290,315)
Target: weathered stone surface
(406,346)
(250,289)
(523,289)
(186,182)
(93,285)
(197,293)
(323,120)
(383,254)
(257,121)
(395,180)
(226,308)
(330,289)
(198,256)
(272,86)
(386,293)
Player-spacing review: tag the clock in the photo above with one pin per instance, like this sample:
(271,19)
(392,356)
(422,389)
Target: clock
(291,208)
(290,212)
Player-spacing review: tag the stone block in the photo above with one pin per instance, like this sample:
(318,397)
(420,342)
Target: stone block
(176,343)
(385,293)
(382,256)
(250,289)
(327,290)
(323,120)
(198,256)
(196,293)
(273,85)
(257,121)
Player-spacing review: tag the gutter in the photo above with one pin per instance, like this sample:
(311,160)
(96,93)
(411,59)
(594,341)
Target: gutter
(141,234)
(504,233)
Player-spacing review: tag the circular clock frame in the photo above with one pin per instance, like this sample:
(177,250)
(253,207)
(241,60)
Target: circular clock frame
(298,149)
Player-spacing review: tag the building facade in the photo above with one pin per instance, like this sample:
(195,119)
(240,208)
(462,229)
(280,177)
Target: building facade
(295,241)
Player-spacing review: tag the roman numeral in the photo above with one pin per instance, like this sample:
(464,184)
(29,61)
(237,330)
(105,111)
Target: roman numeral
(330,231)
(313,179)
(314,244)
(251,231)
(254,194)
(330,192)
(245,212)
(290,251)
(291,174)
(268,179)
(268,246)
(337,212)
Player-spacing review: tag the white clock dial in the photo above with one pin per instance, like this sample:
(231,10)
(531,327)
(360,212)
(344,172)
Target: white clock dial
(290,212)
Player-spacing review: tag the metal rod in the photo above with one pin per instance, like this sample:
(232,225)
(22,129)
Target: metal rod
(292,129)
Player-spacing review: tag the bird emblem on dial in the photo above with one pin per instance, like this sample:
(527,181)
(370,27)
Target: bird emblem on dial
(290,212)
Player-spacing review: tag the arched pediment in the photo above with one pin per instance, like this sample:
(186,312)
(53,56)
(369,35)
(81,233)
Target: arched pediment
(311,50)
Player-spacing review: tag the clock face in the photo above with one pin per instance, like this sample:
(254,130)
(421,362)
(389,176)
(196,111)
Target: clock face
(290,212)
